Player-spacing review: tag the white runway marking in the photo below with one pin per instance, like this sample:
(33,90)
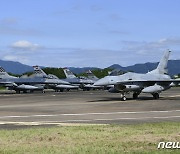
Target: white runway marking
(84,114)
(80,120)
(106,113)
(57,104)
(174,96)
(132,118)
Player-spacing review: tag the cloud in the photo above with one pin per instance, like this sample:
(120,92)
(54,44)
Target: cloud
(129,53)
(22,51)
(19,58)
(80,57)
(25,45)
(151,47)
(169,41)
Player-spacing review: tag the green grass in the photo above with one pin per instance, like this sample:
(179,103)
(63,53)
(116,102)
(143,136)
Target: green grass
(2,88)
(139,138)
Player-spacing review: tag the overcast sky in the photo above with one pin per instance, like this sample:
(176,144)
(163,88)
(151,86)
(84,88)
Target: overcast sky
(80,33)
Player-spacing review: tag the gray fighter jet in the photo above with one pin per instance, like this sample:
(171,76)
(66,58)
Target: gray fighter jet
(25,83)
(83,82)
(60,86)
(153,82)
(20,84)
(94,78)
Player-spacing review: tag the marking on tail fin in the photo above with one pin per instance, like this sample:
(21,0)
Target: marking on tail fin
(4,74)
(68,73)
(91,75)
(38,71)
(2,69)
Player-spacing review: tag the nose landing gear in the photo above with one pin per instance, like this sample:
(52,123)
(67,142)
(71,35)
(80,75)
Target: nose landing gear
(123,97)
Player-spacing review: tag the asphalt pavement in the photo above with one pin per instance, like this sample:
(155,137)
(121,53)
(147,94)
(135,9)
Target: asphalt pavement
(85,107)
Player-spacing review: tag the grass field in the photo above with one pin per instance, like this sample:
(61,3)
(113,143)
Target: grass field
(138,138)
(2,88)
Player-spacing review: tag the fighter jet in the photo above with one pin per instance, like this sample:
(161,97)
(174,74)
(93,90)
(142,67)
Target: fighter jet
(26,83)
(83,82)
(19,84)
(153,82)
(73,79)
(94,78)
(60,86)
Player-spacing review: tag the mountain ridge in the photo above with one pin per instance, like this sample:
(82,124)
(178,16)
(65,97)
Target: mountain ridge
(19,68)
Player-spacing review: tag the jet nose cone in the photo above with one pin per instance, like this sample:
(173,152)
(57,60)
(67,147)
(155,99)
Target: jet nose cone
(102,82)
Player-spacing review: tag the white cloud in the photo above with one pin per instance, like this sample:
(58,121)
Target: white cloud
(21,51)
(152,47)
(25,45)
(10,57)
(169,41)
(19,58)
(129,52)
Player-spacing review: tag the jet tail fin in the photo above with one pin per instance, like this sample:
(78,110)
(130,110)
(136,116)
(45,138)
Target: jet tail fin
(91,75)
(162,66)
(4,74)
(39,72)
(68,73)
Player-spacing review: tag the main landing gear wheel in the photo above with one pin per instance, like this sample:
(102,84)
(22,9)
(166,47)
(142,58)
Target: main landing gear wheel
(17,91)
(135,95)
(61,90)
(155,96)
(123,98)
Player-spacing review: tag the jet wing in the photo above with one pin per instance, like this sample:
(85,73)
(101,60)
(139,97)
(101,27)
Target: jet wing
(149,82)
(6,83)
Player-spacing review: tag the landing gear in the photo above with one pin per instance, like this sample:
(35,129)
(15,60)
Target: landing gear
(135,95)
(17,91)
(155,95)
(24,91)
(61,90)
(123,97)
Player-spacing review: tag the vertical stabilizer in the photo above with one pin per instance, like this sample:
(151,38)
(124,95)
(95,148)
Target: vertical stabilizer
(4,74)
(39,72)
(68,73)
(162,66)
(91,75)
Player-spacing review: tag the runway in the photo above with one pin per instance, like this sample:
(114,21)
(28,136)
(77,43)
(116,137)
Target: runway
(90,107)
